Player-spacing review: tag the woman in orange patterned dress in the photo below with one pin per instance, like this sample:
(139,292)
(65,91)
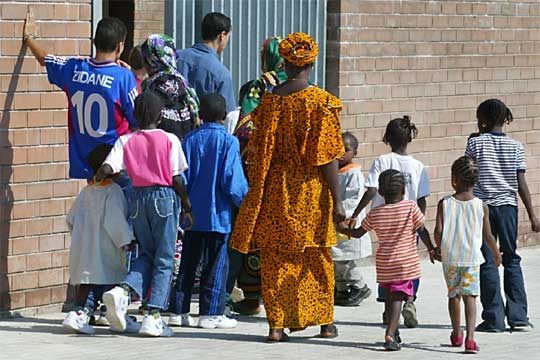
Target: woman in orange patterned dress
(293,201)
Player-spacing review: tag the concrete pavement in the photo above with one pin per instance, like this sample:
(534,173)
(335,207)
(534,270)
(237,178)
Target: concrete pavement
(360,329)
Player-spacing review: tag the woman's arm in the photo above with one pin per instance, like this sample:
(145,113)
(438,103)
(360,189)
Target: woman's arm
(330,175)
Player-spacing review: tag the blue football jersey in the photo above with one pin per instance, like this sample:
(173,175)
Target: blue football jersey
(100,105)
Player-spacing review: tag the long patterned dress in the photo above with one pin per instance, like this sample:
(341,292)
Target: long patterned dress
(287,213)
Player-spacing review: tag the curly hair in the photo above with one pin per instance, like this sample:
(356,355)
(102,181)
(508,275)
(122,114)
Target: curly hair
(391,183)
(465,170)
(299,49)
(400,132)
(493,112)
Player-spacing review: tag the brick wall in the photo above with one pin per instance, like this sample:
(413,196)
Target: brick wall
(149,19)
(437,60)
(35,192)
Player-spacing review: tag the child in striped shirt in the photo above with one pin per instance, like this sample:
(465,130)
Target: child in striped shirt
(398,264)
(462,220)
(501,163)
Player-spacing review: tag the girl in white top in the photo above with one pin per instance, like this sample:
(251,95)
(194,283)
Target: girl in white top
(462,222)
(399,133)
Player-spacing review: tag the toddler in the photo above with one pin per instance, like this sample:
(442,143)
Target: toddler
(154,161)
(397,262)
(462,221)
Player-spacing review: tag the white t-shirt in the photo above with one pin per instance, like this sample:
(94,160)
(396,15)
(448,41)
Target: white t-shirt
(231,120)
(416,178)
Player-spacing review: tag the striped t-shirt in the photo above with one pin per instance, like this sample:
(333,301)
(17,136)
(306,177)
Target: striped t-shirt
(499,159)
(396,225)
(462,232)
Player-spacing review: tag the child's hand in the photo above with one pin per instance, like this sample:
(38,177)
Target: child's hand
(29,28)
(535,224)
(342,228)
(187,218)
(435,255)
(352,223)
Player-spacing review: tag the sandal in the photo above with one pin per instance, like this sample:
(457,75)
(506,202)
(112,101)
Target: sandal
(397,337)
(329,331)
(277,335)
(391,345)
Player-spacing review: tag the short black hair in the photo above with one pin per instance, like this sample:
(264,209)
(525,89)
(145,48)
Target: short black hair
(349,137)
(466,170)
(391,184)
(98,155)
(243,92)
(148,107)
(213,108)
(110,31)
(493,112)
(135,58)
(213,24)
(399,132)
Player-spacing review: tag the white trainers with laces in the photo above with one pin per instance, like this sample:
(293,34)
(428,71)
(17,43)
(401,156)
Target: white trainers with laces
(116,302)
(181,320)
(153,325)
(78,321)
(132,326)
(216,321)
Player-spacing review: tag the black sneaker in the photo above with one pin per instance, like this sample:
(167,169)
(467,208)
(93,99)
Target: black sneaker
(356,296)
(520,324)
(488,328)
(341,298)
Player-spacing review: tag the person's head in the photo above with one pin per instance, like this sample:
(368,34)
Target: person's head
(351,148)
(243,92)
(299,51)
(464,173)
(135,58)
(392,186)
(213,108)
(270,58)
(493,113)
(399,133)
(98,155)
(148,107)
(110,36)
(159,53)
(216,28)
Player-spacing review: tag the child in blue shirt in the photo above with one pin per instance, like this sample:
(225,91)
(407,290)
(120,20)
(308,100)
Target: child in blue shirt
(215,183)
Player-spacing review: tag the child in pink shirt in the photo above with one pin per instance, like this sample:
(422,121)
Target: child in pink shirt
(154,161)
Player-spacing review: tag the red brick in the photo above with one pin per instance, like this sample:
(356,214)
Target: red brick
(24,245)
(52,207)
(51,277)
(38,226)
(16,264)
(40,118)
(39,191)
(79,29)
(53,172)
(28,280)
(40,154)
(58,294)
(51,242)
(17,300)
(38,297)
(25,173)
(38,261)
(14,11)
(54,100)
(60,258)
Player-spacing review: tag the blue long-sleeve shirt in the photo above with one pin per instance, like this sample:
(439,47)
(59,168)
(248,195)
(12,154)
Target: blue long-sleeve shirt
(201,66)
(215,179)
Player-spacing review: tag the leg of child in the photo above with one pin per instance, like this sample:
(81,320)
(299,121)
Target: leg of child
(454,309)
(393,308)
(82,295)
(191,255)
(470,315)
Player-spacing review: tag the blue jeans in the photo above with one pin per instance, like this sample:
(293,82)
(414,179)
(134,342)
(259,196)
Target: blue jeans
(154,212)
(504,221)
(212,248)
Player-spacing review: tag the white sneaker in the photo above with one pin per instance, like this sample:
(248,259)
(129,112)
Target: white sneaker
(181,320)
(132,326)
(153,325)
(216,321)
(78,321)
(116,302)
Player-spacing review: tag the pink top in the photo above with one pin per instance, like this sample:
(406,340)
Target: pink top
(151,157)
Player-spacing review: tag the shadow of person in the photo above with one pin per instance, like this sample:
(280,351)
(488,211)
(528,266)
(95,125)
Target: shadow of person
(6,170)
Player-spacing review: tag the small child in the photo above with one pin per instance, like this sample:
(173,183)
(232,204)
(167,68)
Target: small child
(99,230)
(399,133)
(501,162)
(397,262)
(215,182)
(135,60)
(351,289)
(462,220)
(154,161)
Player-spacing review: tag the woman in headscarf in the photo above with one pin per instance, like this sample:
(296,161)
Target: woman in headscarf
(294,197)
(246,269)
(181,113)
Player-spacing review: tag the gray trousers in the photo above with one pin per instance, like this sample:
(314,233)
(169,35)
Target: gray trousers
(347,273)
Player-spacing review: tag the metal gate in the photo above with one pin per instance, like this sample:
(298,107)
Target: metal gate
(253,21)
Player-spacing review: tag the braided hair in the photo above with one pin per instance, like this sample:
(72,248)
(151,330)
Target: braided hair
(391,184)
(351,139)
(491,113)
(465,170)
(400,132)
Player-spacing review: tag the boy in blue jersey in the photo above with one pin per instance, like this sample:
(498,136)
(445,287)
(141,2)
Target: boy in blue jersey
(215,183)
(100,92)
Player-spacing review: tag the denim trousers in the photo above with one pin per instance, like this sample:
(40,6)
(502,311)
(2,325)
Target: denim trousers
(211,247)
(154,213)
(504,221)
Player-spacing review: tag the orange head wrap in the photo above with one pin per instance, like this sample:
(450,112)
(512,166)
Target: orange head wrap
(299,49)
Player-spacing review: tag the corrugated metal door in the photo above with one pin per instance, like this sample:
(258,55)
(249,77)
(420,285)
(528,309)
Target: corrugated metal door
(253,22)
